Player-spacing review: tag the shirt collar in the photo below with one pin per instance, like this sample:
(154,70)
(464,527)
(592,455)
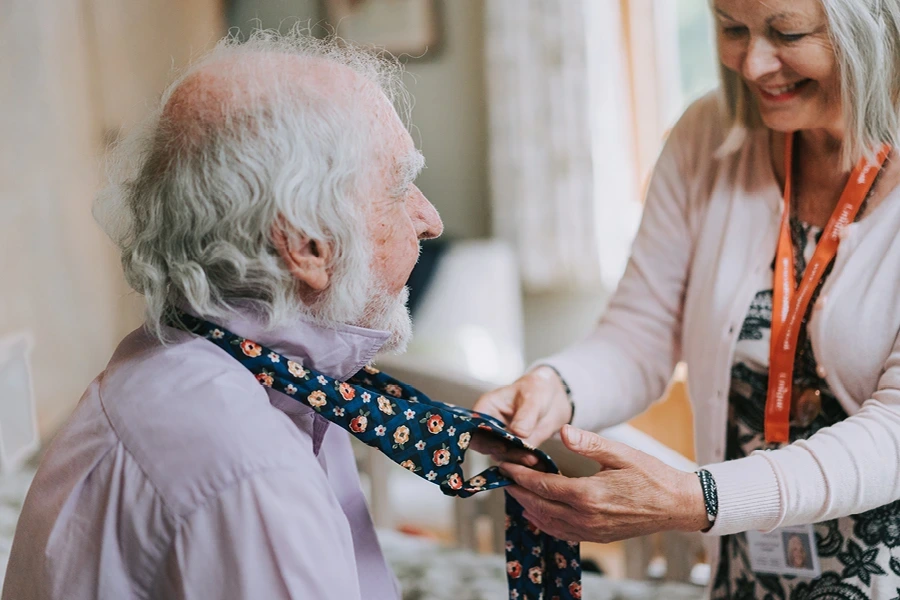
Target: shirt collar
(338,350)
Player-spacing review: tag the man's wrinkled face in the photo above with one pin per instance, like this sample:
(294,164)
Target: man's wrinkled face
(398,217)
(399,214)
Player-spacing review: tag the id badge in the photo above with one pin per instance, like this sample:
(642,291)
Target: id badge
(785,551)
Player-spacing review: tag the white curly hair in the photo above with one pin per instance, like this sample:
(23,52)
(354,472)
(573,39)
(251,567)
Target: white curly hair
(193,212)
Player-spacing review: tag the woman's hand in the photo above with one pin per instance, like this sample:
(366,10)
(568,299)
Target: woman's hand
(634,494)
(534,406)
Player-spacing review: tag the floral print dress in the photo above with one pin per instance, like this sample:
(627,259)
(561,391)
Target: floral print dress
(859,554)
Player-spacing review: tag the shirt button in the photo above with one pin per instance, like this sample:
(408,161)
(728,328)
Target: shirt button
(821,371)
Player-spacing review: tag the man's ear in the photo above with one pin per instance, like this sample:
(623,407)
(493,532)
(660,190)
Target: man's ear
(305,258)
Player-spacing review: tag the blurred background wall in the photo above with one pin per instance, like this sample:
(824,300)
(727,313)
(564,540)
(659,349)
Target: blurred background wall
(74,74)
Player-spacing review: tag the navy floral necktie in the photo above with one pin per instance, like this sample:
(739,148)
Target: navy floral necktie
(426,437)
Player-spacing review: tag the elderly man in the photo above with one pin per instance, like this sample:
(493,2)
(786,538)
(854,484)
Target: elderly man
(273,193)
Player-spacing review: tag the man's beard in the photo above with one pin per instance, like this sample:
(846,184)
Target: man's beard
(389,314)
(356,298)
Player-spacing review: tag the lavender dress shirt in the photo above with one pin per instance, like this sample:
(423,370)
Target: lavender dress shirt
(179,476)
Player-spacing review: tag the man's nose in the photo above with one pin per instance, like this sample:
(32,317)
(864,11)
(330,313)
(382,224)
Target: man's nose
(428,221)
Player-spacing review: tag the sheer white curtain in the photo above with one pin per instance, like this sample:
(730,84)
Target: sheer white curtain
(564,189)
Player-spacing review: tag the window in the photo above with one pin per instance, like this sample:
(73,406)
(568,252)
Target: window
(696,49)
(671,61)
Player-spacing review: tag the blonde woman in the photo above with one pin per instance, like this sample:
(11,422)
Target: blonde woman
(768,259)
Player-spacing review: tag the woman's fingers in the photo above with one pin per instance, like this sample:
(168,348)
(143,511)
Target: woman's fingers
(609,454)
(499,403)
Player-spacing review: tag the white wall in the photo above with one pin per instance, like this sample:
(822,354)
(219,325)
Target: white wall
(71,73)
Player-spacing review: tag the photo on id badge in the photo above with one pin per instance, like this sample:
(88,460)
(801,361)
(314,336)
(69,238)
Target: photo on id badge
(786,551)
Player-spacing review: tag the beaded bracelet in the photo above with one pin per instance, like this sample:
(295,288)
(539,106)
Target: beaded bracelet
(710,494)
(568,392)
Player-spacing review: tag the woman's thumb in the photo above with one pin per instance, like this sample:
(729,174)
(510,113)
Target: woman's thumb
(599,449)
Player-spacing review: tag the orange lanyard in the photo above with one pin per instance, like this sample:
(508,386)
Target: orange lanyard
(789,304)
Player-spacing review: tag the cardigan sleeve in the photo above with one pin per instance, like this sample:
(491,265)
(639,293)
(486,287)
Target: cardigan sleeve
(627,361)
(846,469)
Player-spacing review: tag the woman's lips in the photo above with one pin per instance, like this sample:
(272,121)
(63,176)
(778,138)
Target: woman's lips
(782,93)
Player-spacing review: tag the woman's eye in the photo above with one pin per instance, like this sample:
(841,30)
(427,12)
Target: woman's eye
(789,37)
(734,31)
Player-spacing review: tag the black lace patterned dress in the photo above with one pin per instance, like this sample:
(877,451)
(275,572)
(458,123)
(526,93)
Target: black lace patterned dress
(859,554)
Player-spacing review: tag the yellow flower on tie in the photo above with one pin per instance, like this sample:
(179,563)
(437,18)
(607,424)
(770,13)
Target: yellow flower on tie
(317,399)
(295,369)
(385,405)
(401,435)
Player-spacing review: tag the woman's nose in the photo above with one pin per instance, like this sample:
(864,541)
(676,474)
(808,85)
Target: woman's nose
(760,60)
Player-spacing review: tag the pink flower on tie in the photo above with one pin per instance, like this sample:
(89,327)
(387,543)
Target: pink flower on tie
(560,560)
(394,390)
(454,481)
(265,379)
(358,424)
(441,457)
(535,575)
(435,424)
(409,465)
(514,569)
(251,349)
(464,439)
(347,392)
(575,590)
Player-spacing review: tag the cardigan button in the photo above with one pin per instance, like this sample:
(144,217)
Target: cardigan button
(821,371)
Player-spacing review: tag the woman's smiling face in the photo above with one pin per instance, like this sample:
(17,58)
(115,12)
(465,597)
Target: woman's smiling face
(782,50)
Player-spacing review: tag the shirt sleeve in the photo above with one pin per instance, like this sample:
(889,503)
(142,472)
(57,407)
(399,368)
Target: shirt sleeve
(846,469)
(627,361)
(274,535)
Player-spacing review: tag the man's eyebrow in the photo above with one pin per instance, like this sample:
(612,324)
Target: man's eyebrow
(410,166)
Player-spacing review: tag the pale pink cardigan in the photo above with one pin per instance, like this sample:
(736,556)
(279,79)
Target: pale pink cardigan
(709,223)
